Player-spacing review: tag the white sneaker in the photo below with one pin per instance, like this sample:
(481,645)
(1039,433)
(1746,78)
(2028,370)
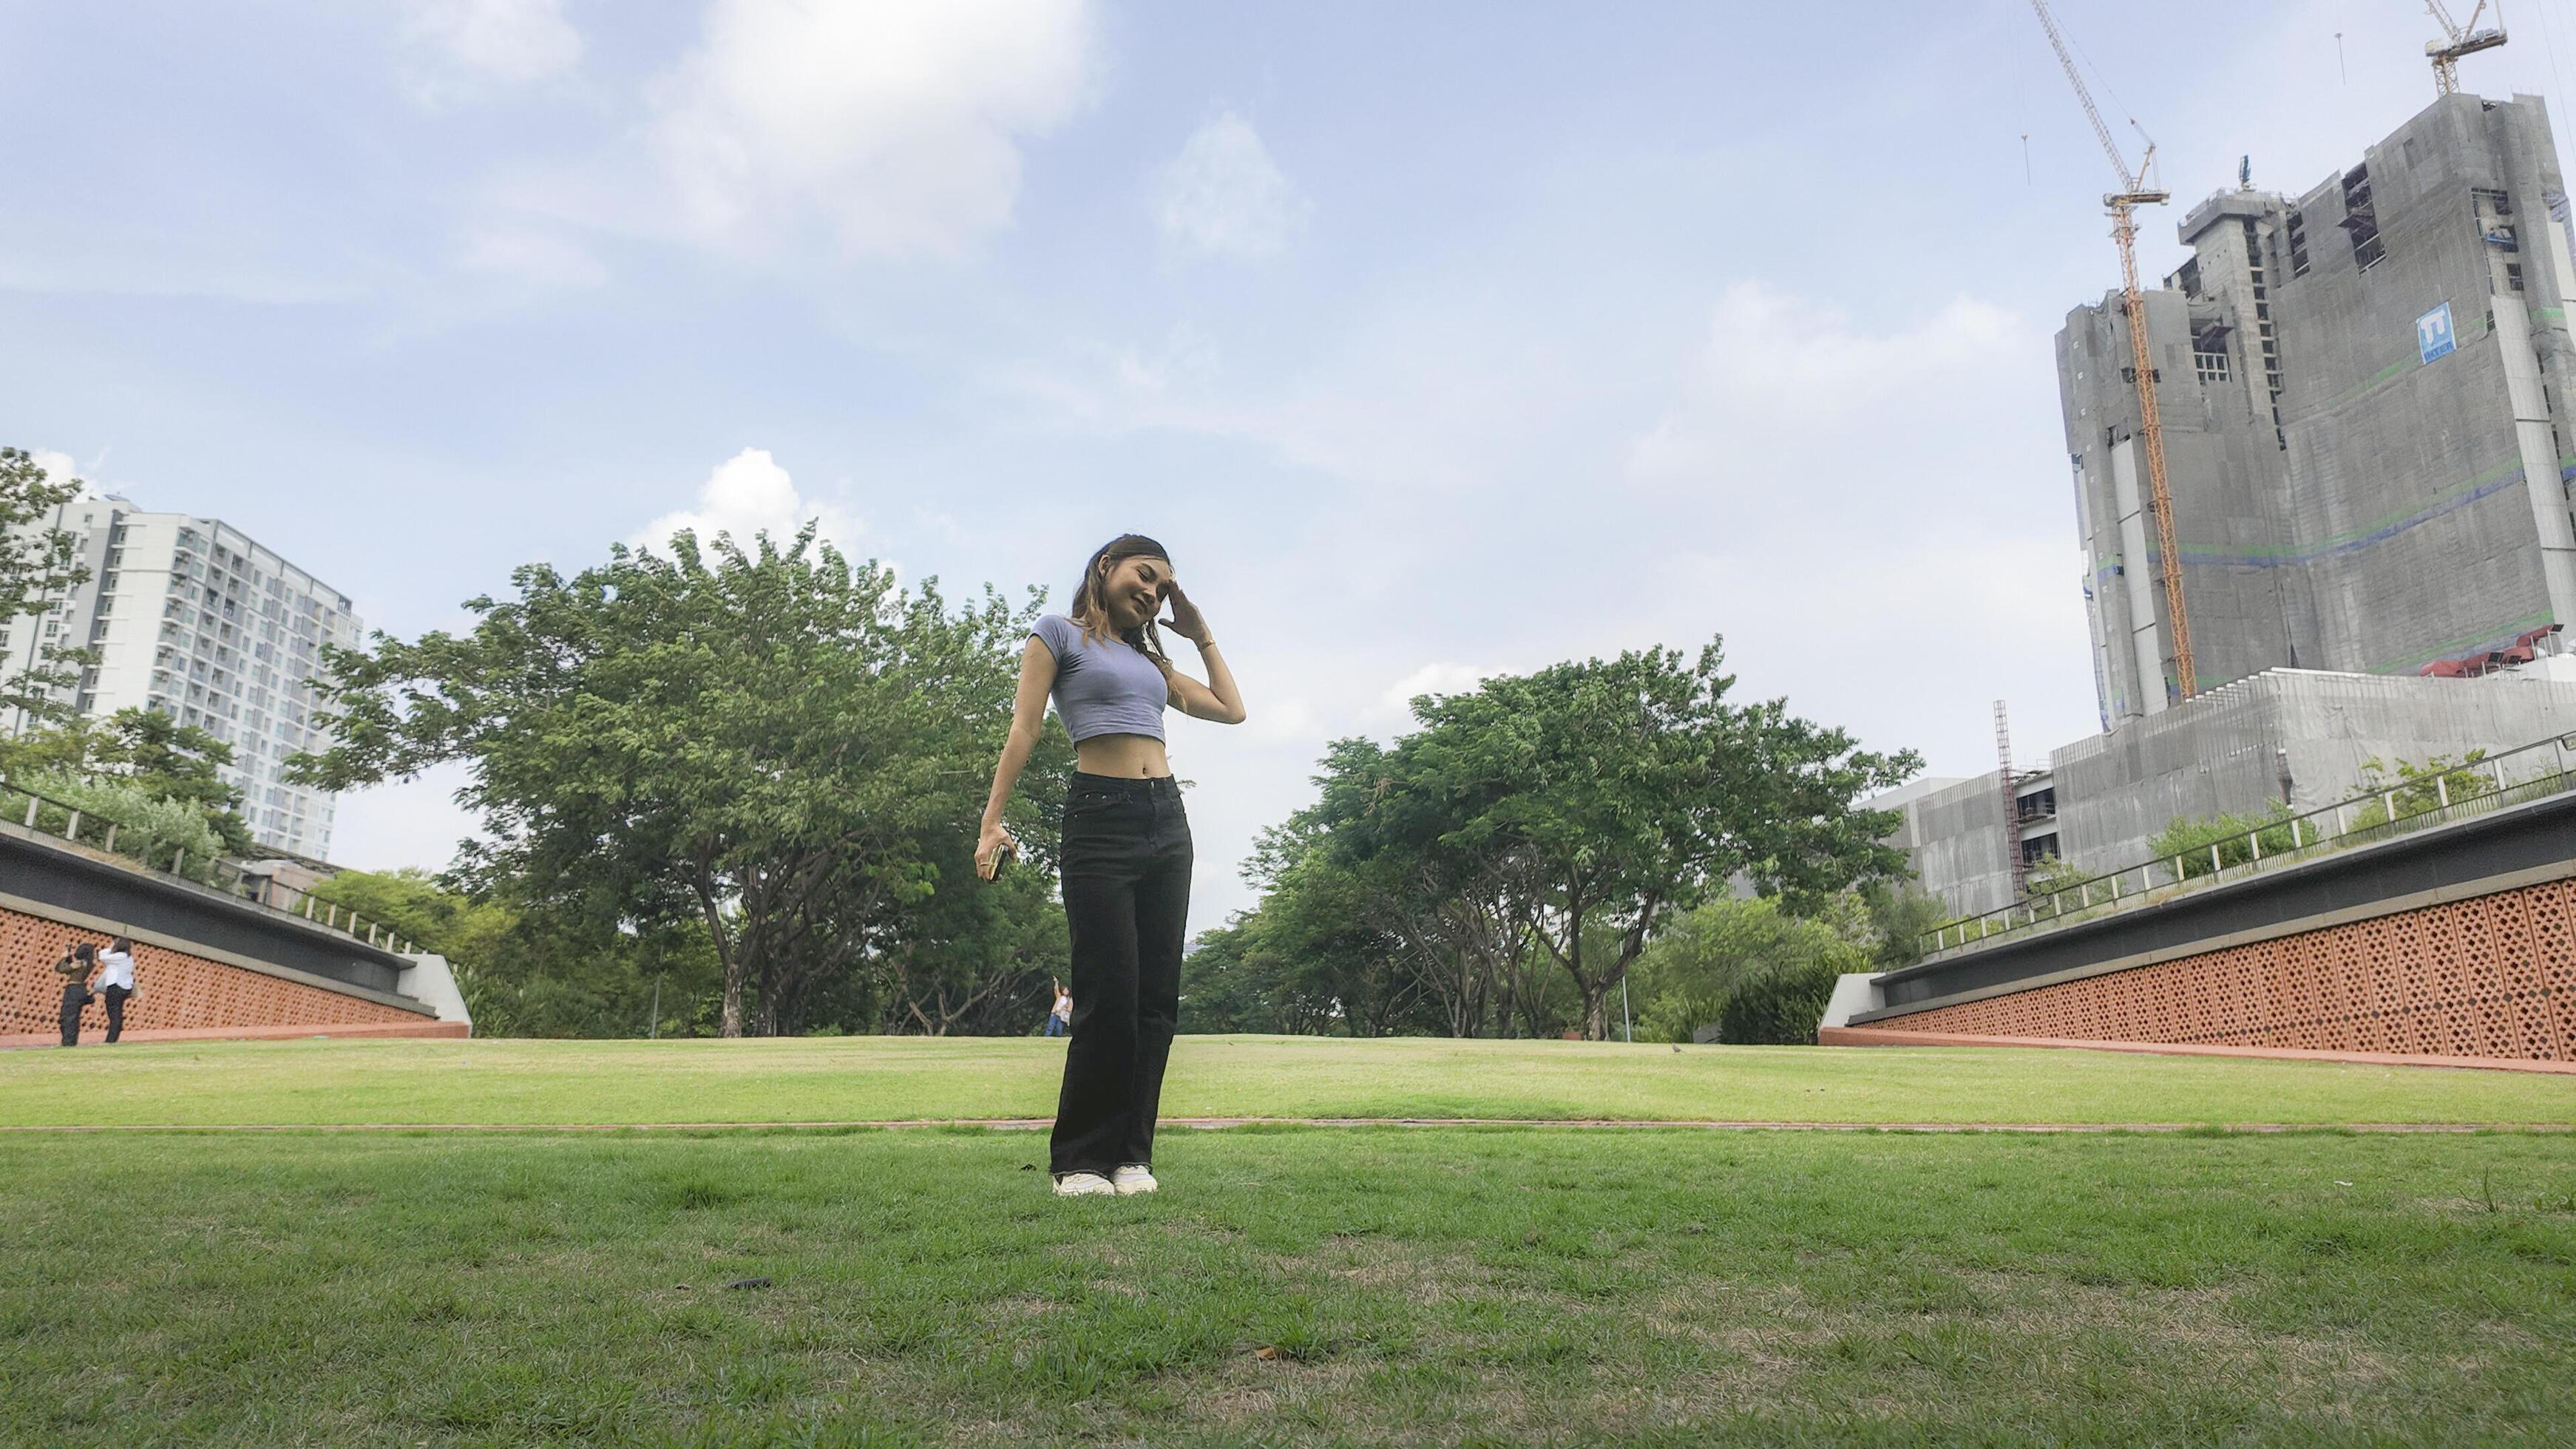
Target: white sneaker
(1131,1179)
(1083,1184)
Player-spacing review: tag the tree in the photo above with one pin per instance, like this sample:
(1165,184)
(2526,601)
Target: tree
(39,563)
(1687,976)
(1900,912)
(151,830)
(525,970)
(1440,912)
(162,758)
(1237,979)
(1605,794)
(777,743)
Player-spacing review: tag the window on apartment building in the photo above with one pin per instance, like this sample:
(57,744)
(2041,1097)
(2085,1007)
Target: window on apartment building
(2513,275)
(2298,229)
(2209,366)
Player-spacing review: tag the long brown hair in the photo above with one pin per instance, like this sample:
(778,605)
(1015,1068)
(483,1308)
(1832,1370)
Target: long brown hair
(1091,610)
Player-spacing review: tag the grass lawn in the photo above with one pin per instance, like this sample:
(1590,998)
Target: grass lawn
(891,1078)
(1291,1284)
(1493,1286)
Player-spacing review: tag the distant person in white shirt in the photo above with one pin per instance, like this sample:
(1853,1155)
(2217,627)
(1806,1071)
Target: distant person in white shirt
(1060,1017)
(116,982)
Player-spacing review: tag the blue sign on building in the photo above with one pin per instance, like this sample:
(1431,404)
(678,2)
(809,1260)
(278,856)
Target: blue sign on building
(2433,333)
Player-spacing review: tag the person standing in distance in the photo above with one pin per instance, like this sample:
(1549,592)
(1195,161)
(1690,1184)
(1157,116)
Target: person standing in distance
(1060,1015)
(116,982)
(1126,856)
(74,968)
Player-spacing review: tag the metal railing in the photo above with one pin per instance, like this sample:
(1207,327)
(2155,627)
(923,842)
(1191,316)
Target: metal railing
(2489,782)
(42,812)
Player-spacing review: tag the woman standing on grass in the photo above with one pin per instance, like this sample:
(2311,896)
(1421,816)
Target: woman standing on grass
(1126,856)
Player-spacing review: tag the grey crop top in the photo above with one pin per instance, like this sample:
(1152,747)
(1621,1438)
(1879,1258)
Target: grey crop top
(1103,687)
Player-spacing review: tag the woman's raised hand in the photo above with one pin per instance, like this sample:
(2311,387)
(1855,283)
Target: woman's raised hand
(1186,619)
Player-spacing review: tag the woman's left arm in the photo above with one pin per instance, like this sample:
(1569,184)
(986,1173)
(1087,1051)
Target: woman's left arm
(1218,699)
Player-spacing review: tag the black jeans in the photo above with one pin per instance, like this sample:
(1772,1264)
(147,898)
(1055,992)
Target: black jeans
(116,1009)
(75,996)
(1126,901)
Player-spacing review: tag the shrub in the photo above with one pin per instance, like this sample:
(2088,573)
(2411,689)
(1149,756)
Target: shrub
(1781,1005)
(148,830)
(2191,839)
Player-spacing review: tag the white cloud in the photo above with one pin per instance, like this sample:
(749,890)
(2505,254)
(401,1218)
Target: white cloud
(57,467)
(504,40)
(535,258)
(1395,706)
(748,494)
(894,124)
(1777,363)
(1224,196)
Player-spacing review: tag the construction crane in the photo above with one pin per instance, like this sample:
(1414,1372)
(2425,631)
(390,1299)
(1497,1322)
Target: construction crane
(2133,193)
(2464,40)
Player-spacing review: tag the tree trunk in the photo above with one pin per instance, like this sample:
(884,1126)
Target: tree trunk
(727,955)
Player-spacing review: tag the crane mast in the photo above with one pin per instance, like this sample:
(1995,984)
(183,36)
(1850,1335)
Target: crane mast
(2134,192)
(2464,40)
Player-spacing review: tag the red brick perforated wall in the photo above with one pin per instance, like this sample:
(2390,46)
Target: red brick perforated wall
(172,989)
(2494,976)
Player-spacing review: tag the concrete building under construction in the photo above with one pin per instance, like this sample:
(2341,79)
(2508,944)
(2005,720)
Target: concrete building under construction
(2365,392)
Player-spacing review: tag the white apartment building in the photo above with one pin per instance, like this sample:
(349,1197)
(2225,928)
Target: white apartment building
(192,618)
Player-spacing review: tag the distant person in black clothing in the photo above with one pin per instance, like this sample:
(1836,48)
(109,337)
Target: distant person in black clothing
(75,967)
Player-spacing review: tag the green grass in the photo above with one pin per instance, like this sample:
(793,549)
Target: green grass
(1292,1284)
(1500,1286)
(882,1078)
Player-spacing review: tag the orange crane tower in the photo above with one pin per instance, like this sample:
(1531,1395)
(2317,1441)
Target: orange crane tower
(2134,192)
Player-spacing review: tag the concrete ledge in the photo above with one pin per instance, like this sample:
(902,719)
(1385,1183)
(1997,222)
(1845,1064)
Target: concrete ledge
(1887,1036)
(2518,846)
(337,1030)
(81,887)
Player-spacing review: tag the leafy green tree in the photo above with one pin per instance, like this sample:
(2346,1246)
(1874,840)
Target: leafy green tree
(1900,912)
(1227,983)
(775,743)
(1435,918)
(152,830)
(167,761)
(530,971)
(147,750)
(38,564)
(1611,793)
(1688,974)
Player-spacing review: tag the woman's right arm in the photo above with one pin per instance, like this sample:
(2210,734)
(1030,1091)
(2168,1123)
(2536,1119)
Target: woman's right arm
(1028,713)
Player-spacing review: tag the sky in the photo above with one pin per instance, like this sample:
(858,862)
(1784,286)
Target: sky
(1434,340)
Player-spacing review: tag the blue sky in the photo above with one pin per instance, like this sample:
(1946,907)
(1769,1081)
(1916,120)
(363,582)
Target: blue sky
(1434,339)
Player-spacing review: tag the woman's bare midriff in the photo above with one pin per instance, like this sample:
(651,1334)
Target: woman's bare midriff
(1128,757)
